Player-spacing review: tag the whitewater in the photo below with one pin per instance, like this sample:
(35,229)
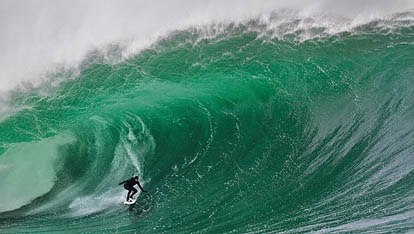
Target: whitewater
(238,116)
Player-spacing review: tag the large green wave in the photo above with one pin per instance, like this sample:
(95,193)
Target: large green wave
(238,127)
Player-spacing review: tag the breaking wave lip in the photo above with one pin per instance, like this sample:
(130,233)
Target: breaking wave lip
(37,175)
(284,24)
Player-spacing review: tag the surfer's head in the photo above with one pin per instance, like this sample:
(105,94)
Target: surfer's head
(136,178)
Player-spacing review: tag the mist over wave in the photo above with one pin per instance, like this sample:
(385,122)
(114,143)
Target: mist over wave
(258,120)
(38,38)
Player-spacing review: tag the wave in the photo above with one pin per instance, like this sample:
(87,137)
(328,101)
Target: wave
(277,123)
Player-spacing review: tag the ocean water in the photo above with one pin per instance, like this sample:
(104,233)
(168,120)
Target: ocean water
(274,123)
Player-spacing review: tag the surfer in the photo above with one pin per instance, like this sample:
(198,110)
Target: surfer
(129,185)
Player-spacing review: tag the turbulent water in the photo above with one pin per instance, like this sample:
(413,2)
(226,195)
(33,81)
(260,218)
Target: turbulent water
(278,123)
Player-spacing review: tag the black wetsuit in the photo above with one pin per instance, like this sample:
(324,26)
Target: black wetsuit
(129,185)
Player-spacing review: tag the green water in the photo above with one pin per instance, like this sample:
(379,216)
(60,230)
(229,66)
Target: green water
(232,129)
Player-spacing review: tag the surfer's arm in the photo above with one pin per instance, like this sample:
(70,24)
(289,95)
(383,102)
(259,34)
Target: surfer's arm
(123,182)
(139,185)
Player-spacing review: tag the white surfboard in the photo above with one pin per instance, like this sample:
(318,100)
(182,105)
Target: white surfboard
(130,201)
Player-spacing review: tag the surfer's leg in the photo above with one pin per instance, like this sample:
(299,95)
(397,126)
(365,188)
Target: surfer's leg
(134,191)
(129,192)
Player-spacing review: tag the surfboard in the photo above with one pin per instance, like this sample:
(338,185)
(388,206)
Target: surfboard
(130,202)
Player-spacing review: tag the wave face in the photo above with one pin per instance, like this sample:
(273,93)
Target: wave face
(266,125)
